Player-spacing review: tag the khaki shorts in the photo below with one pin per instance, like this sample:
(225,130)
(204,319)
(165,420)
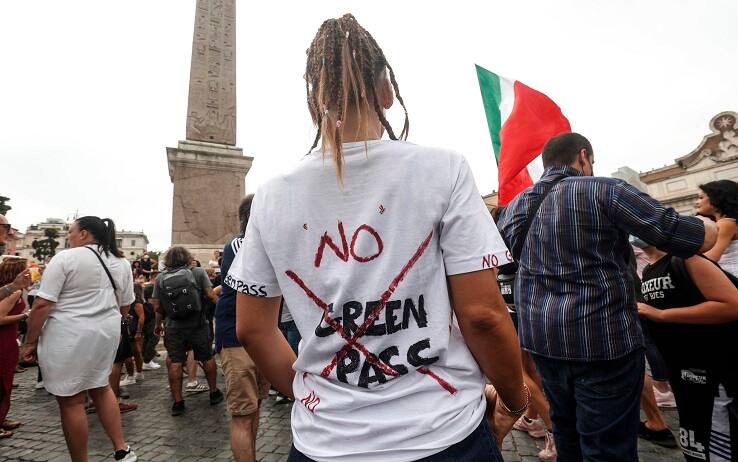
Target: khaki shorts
(245,385)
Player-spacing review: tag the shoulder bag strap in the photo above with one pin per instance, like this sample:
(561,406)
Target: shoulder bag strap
(115,288)
(517,251)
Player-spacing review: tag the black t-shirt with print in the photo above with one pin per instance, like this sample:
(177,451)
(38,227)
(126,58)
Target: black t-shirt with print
(664,286)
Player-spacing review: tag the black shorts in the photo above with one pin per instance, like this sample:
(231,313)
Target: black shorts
(125,350)
(178,341)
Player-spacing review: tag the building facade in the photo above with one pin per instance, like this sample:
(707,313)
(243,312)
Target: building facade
(133,244)
(676,185)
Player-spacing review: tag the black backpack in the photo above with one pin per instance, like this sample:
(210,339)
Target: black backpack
(179,293)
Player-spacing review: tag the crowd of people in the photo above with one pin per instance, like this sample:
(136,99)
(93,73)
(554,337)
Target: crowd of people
(427,334)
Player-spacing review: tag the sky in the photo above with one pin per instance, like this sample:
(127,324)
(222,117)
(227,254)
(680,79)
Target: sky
(92,93)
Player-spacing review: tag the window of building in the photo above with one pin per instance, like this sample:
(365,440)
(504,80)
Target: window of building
(119,242)
(133,243)
(133,253)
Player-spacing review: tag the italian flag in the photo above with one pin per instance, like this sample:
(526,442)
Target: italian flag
(520,121)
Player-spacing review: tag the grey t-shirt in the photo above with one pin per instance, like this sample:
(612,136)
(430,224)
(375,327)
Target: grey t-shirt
(202,281)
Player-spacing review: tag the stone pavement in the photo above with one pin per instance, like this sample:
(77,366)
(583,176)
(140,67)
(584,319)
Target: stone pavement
(200,434)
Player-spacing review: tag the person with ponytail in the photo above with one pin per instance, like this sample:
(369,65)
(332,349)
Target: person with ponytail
(385,253)
(75,327)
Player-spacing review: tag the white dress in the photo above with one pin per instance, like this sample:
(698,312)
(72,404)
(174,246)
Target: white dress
(81,335)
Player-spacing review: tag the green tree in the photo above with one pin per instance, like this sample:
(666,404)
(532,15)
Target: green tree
(46,248)
(4,208)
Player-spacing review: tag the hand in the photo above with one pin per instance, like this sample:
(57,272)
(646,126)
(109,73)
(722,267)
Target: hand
(28,353)
(650,313)
(500,421)
(23,280)
(138,337)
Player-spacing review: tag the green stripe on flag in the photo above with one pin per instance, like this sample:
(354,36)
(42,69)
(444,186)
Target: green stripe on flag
(489,85)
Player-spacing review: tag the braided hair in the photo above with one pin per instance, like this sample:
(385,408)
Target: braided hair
(344,65)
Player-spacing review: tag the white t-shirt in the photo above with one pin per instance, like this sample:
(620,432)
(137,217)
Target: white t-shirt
(405,218)
(76,281)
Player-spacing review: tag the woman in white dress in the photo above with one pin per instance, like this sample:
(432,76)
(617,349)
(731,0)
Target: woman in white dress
(719,199)
(75,326)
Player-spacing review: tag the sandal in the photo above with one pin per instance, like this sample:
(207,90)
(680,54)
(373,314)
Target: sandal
(19,369)
(10,424)
(5,434)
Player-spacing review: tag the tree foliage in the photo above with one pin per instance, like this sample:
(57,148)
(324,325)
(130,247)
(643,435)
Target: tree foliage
(4,207)
(44,249)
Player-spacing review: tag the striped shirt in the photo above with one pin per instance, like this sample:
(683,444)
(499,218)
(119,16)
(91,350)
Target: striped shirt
(574,290)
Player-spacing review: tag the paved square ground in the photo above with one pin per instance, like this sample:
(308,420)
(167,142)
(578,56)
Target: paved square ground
(200,434)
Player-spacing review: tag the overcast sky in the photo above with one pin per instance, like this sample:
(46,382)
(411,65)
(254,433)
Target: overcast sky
(92,92)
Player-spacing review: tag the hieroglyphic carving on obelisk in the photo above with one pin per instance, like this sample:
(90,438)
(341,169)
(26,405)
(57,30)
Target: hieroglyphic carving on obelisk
(211,111)
(207,169)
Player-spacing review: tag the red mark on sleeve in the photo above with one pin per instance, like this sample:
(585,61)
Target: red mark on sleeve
(490,261)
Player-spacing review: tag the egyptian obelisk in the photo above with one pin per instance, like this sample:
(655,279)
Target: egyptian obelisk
(207,169)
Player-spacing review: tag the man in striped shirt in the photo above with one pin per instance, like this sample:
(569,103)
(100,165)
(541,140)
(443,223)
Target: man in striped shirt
(575,294)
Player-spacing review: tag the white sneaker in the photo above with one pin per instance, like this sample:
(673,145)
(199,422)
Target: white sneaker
(195,387)
(138,376)
(548,453)
(39,385)
(125,455)
(664,399)
(127,380)
(535,428)
(151,366)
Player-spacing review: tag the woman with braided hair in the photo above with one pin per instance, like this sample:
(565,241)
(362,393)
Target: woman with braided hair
(385,256)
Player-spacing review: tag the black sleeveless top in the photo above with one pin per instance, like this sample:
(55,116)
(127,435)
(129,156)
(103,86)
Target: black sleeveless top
(665,285)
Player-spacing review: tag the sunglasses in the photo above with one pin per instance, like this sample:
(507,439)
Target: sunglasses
(6,226)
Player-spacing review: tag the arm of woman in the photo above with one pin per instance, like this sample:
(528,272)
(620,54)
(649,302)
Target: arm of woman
(141,316)
(16,318)
(22,281)
(256,329)
(36,319)
(210,294)
(217,290)
(7,304)
(721,295)
(726,230)
(489,332)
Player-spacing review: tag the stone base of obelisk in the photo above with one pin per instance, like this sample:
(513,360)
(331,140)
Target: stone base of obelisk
(209,183)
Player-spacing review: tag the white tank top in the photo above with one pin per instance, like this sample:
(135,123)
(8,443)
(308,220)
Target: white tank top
(729,260)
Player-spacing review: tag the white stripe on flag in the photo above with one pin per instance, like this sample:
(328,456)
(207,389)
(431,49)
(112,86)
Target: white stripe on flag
(507,97)
(535,169)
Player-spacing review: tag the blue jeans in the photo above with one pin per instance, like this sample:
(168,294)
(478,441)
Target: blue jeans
(659,369)
(290,332)
(479,446)
(594,406)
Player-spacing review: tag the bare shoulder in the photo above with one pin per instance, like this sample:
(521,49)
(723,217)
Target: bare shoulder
(728,226)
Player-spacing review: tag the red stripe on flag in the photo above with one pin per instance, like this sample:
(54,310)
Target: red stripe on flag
(534,119)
